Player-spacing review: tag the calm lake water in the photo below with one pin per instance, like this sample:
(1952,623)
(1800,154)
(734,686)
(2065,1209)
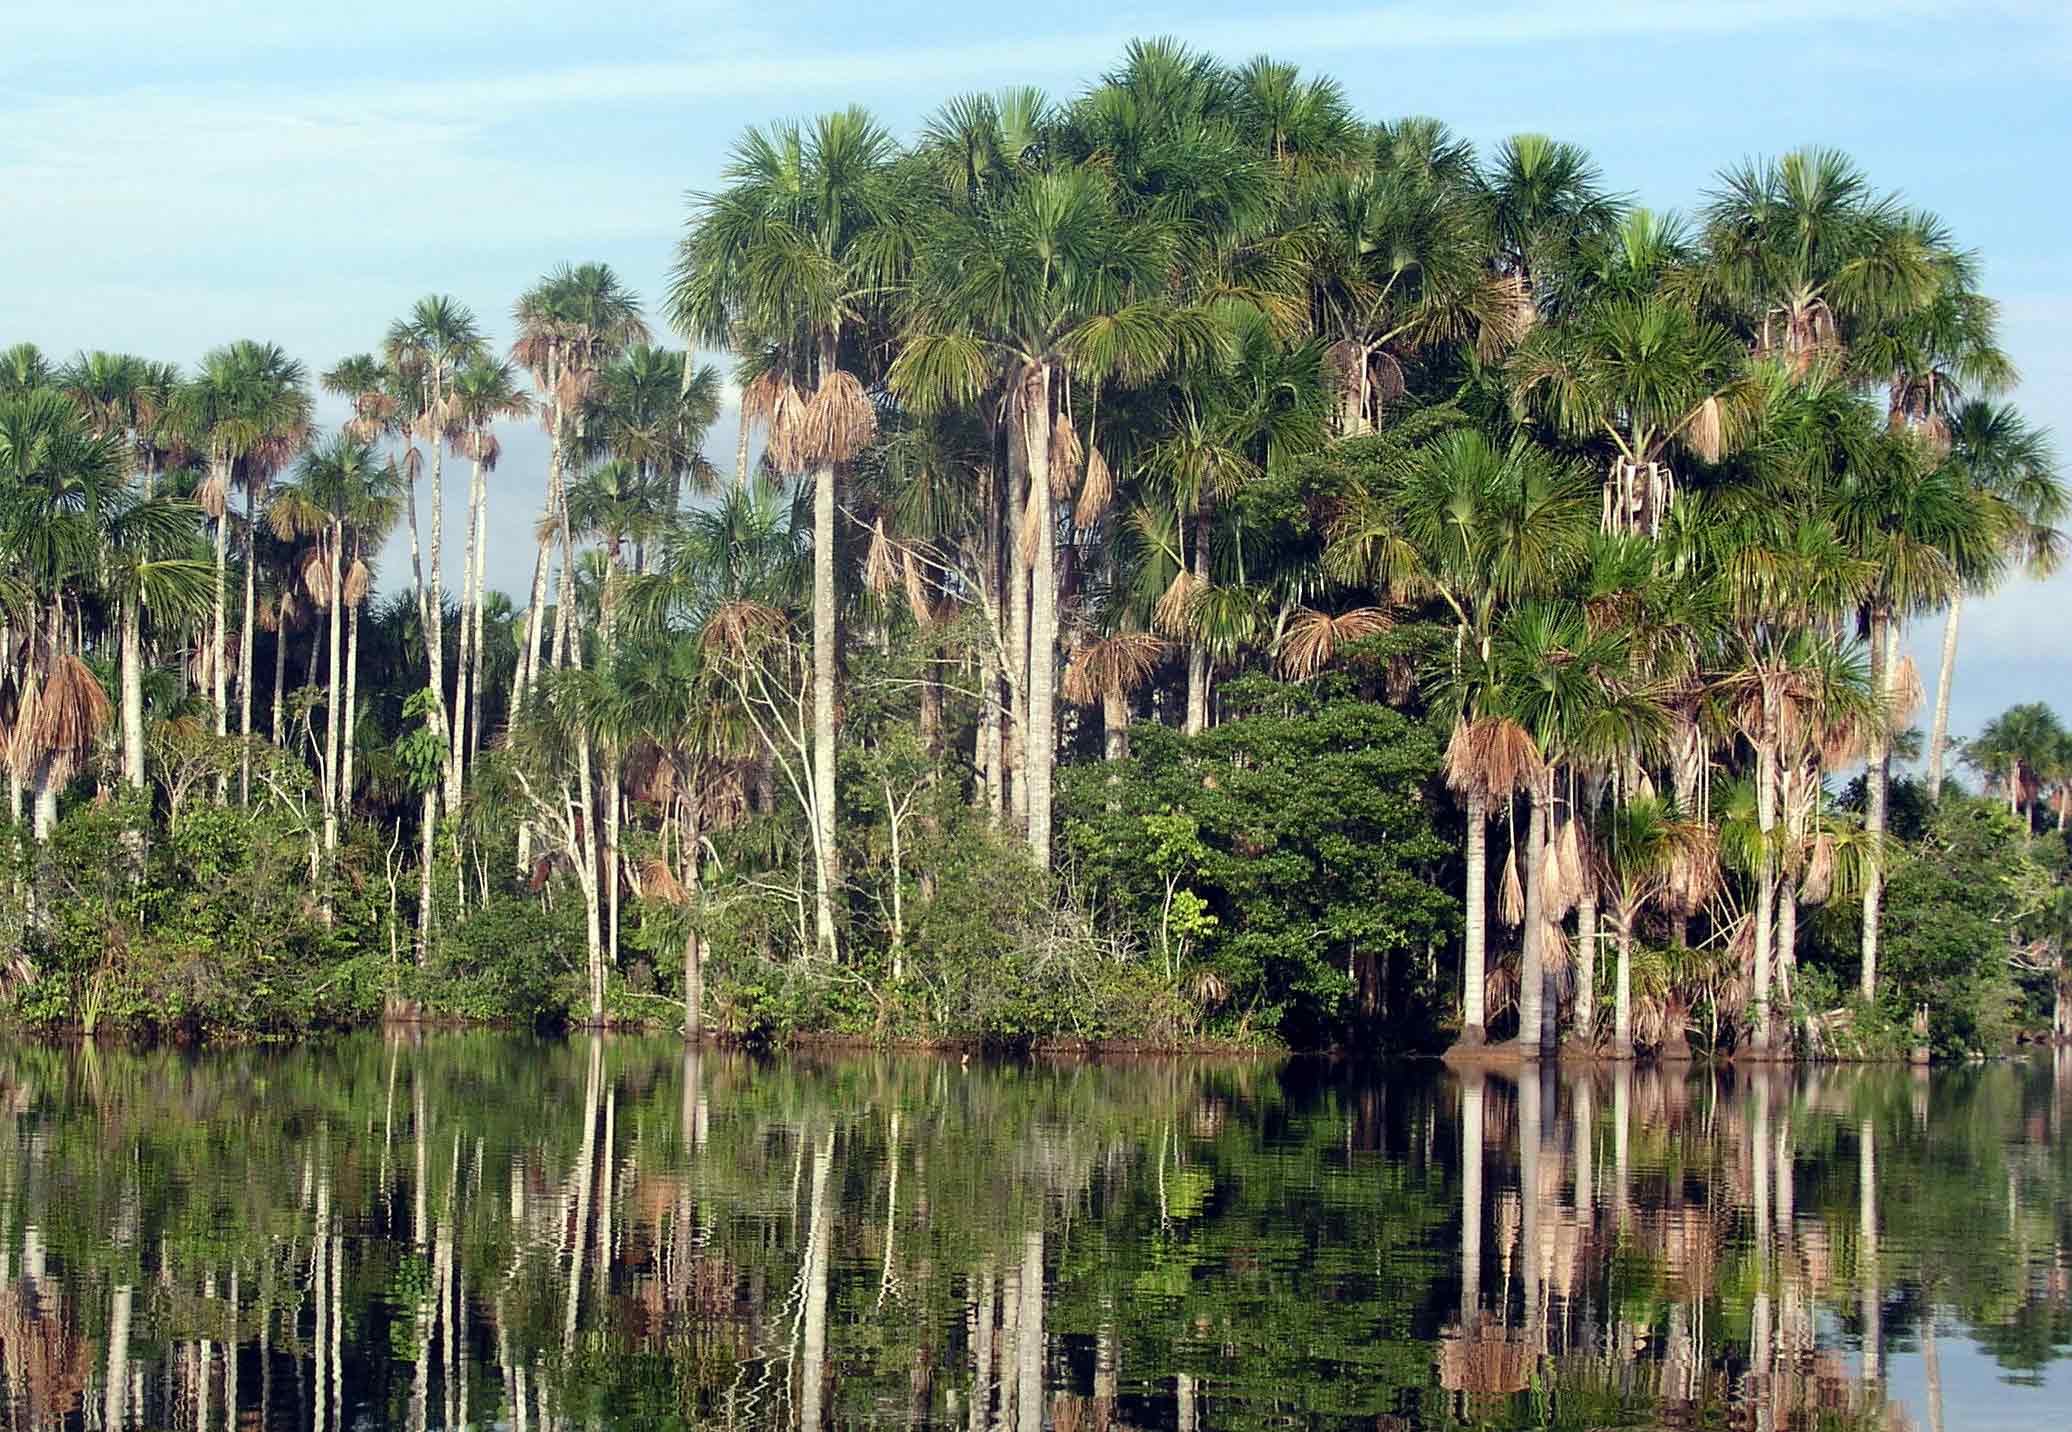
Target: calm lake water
(468,1230)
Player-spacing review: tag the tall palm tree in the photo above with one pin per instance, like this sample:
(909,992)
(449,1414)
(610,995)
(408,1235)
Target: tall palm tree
(1920,526)
(1812,255)
(1649,376)
(429,348)
(56,474)
(2011,464)
(1475,528)
(485,392)
(247,409)
(2016,749)
(796,249)
(1642,845)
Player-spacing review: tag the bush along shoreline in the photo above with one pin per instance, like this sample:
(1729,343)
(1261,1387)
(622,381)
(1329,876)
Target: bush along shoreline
(1196,566)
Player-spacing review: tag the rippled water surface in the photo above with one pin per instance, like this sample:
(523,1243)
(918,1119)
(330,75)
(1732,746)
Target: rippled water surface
(468,1230)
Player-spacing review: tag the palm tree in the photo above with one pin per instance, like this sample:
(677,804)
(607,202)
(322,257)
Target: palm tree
(248,409)
(1811,255)
(570,326)
(1577,691)
(55,476)
(794,250)
(2016,749)
(1643,844)
(485,392)
(1647,374)
(1476,528)
(428,350)
(2010,463)
(1920,526)
(1546,205)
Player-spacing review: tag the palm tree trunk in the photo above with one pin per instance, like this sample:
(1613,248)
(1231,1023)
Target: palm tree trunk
(435,626)
(463,670)
(133,692)
(819,1235)
(826,862)
(280,672)
(1016,740)
(244,646)
(1877,778)
(1765,893)
(219,633)
(349,712)
(1115,725)
(1197,650)
(740,449)
(609,751)
(430,822)
(1475,943)
(1622,1000)
(992,746)
(1785,961)
(1471,1154)
(333,712)
(1536,1030)
(1040,748)
(477,663)
(1586,962)
(1945,678)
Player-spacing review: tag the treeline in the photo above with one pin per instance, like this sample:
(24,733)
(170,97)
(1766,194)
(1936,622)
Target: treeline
(1170,530)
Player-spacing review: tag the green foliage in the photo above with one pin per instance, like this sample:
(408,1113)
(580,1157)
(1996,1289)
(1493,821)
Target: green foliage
(1287,863)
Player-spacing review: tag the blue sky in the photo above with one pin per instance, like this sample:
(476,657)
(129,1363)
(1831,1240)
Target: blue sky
(179,173)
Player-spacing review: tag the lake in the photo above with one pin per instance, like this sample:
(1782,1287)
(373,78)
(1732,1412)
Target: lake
(446,1230)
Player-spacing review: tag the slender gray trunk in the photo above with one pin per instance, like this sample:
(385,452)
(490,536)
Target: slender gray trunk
(1765,892)
(133,692)
(1945,679)
(1040,748)
(349,716)
(1622,1000)
(1877,778)
(1470,1196)
(1197,650)
(826,863)
(333,715)
(1536,1025)
(244,647)
(1475,943)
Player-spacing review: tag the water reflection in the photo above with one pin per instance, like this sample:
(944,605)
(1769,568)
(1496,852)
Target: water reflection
(469,1230)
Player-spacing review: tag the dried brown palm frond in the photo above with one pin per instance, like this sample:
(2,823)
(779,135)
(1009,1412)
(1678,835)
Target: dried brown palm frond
(880,569)
(359,580)
(212,495)
(412,466)
(1555,888)
(1557,951)
(1311,639)
(1386,380)
(1067,455)
(1508,313)
(1568,855)
(1707,431)
(1174,614)
(1817,883)
(488,451)
(1694,870)
(739,626)
(1510,898)
(1903,691)
(316,577)
(1492,755)
(839,420)
(1030,529)
(1097,491)
(1118,664)
(787,450)
(60,717)
(659,882)
(916,586)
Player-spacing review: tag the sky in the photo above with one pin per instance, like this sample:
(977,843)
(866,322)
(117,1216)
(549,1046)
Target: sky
(176,174)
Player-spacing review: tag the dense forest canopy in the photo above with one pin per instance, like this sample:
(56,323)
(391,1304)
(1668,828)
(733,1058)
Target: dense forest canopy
(1216,565)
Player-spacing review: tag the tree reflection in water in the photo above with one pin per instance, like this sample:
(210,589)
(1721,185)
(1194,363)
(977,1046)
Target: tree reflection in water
(472,1230)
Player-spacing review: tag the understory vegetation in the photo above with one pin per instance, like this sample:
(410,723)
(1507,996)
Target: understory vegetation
(1197,564)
